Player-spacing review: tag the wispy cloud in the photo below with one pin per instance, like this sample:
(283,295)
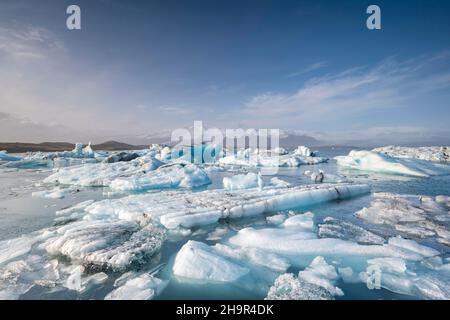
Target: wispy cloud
(389,84)
(310,68)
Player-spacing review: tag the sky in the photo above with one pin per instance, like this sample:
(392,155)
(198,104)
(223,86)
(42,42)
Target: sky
(142,68)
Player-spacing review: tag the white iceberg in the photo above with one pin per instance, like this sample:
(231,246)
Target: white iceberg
(376,162)
(171,176)
(323,275)
(303,151)
(137,287)
(438,154)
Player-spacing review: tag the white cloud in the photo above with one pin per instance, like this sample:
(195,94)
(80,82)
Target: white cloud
(390,84)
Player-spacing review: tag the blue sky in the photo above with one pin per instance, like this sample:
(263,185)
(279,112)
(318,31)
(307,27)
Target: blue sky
(141,67)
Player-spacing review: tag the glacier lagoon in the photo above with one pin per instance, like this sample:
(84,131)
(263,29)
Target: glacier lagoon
(49,256)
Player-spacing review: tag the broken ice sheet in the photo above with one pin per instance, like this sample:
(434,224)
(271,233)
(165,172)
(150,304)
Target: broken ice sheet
(438,154)
(409,215)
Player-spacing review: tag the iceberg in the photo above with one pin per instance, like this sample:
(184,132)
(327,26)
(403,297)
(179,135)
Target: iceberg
(199,261)
(437,154)
(376,162)
(175,209)
(410,215)
(137,287)
(246,158)
(168,176)
(101,174)
(303,151)
(321,274)
(106,244)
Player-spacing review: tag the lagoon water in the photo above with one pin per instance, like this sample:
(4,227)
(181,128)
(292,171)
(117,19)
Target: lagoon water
(21,214)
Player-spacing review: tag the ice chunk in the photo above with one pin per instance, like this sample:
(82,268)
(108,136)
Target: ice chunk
(4,156)
(439,154)
(277,182)
(288,287)
(121,157)
(321,274)
(303,151)
(302,222)
(173,176)
(139,287)
(241,181)
(187,209)
(413,216)
(56,193)
(381,163)
(198,261)
(106,244)
(335,228)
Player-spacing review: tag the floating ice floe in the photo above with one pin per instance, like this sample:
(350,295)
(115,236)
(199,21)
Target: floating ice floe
(187,209)
(320,176)
(101,174)
(242,181)
(376,162)
(438,154)
(136,287)
(409,215)
(221,263)
(106,244)
(4,156)
(251,159)
(121,157)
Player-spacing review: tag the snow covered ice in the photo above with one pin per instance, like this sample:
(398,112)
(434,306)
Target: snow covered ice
(137,287)
(412,216)
(380,163)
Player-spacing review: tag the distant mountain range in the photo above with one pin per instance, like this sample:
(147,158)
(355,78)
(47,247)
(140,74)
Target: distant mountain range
(19,147)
